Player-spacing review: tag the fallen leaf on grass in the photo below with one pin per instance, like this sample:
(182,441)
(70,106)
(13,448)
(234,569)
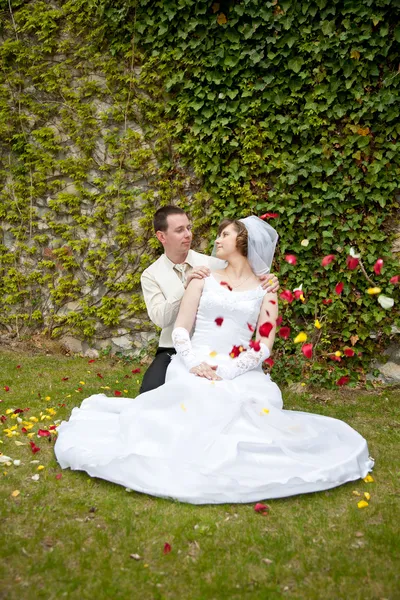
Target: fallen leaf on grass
(135,556)
(267,561)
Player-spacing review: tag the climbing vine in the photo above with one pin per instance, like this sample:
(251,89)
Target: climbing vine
(283,109)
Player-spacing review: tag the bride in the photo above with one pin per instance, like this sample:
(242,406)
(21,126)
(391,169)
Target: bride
(216,432)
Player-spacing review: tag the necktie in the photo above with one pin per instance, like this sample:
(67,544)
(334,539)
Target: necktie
(181,271)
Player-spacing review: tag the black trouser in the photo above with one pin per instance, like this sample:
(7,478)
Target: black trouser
(155,374)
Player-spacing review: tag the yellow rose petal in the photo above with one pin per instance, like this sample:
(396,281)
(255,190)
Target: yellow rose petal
(338,353)
(15,493)
(48,398)
(265,410)
(368,479)
(125,391)
(373,290)
(317,324)
(302,337)
(356,493)
(213,353)
(367,496)
(183,407)
(362,504)
(40,468)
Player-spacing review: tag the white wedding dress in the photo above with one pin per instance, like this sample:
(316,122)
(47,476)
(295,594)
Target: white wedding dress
(212,442)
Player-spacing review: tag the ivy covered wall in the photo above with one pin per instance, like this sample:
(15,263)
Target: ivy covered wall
(81,172)
(289,110)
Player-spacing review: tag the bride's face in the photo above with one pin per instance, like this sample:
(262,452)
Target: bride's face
(225,244)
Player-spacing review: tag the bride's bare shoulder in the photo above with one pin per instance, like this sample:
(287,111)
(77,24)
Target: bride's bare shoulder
(219,274)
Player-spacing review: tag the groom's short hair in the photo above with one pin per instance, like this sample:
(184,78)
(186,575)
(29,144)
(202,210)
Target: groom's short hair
(160,218)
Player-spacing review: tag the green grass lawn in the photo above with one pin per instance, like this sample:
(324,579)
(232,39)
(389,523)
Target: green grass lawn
(73,536)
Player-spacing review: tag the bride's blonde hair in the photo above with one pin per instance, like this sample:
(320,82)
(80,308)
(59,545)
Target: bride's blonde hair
(242,237)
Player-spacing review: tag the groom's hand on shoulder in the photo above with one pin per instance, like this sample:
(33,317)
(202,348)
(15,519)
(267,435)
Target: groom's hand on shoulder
(269,283)
(198,273)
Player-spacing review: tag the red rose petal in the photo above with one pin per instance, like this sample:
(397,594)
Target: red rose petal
(167,548)
(65,379)
(378,266)
(135,371)
(3,418)
(269,362)
(219,321)
(255,346)
(349,352)
(261,509)
(117,393)
(307,350)
(286,295)
(284,333)
(34,448)
(6,388)
(250,327)
(17,411)
(352,263)
(343,380)
(272,301)
(92,360)
(270,215)
(18,366)
(395,279)
(279,321)
(298,294)
(44,433)
(339,288)
(327,301)
(327,259)
(226,285)
(291,259)
(236,350)
(334,357)
(24,430)
(265,329)
(59,475)
(100,375)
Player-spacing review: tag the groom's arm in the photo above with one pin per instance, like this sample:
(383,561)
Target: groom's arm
(161,310)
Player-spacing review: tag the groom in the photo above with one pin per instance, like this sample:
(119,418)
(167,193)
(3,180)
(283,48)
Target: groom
(165,281)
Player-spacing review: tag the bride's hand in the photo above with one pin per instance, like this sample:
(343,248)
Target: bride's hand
(269,282)
(205,370)
(197,273)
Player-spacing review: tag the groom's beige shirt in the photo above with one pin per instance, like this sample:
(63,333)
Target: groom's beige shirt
(163,290)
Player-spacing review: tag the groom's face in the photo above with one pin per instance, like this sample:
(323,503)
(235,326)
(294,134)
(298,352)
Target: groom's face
(178,236)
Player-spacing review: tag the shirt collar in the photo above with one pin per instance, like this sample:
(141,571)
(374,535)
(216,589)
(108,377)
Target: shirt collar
(189,260)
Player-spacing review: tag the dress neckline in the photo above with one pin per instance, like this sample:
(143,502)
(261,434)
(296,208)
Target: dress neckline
(232,291)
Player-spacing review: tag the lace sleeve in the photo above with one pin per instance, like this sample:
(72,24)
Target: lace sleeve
(246,361)
(183,347)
